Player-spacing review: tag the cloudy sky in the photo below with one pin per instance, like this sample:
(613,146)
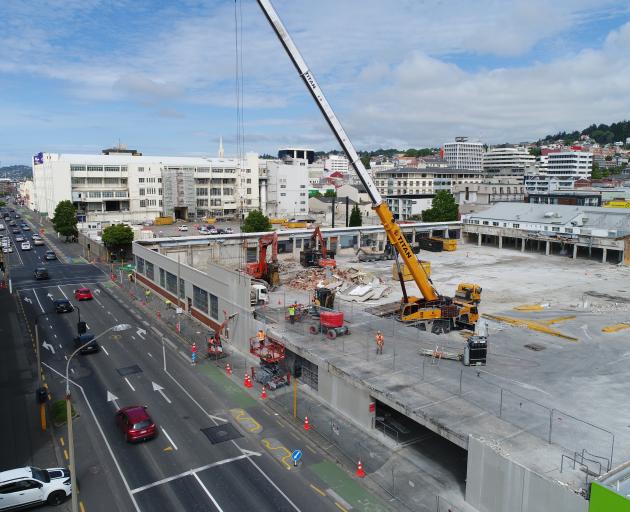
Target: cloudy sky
(81,75)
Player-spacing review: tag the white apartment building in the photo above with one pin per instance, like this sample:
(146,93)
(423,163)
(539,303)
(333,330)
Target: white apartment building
(407,206)
(514,161)
(26,190)
(125,186)
(560,170)
(464,154)
(338,163)
(413,181)
(287,187)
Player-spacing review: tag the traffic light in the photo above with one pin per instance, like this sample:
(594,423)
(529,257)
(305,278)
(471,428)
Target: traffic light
(81,328)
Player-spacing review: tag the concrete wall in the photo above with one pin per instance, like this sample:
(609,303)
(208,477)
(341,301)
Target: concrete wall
(344,396)
(495,483)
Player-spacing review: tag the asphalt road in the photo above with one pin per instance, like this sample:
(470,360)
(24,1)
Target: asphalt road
(181,469)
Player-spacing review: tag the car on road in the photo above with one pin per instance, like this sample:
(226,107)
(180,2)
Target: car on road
(135,423)
(83,294)
(7,249)
(26,246)
(87,341)
(24,487)
(213,231)
(25,228)
(38,241)
(183,227)
(18,216)
(40,273)
(50,255)
(12,222)
(20,238)
(16,231)
(229,231)
(63,306)
(203,230)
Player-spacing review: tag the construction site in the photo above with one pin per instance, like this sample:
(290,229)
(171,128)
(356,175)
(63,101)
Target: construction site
(529,398)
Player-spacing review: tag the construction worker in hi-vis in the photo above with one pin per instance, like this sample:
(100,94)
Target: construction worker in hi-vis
(380,340)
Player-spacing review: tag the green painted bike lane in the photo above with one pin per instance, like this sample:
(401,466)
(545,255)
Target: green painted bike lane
(232,390)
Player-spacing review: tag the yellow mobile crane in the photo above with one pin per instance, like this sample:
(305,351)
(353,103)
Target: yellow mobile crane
(432,309)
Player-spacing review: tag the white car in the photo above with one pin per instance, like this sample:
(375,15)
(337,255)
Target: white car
(26,246)
(32,486)
(7,248)
(183,227)
(38,241)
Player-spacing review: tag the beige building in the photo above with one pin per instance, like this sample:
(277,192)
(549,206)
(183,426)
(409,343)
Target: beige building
(473,197)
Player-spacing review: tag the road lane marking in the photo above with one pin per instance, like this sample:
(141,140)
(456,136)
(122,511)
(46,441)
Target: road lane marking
(100,429)
(65,454)
(160,390)
(98,302)
(339,501)
(150,354)
(62,441)
(133,337)
(105,350)
(132,388)
(317,490)
(62,293)
(216,419)
(343,509)
(40,304)
(81,506)
(55,335)
(207,492)
(311,448)
(168,437)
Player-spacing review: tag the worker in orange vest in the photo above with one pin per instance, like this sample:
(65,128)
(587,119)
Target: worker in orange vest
(261,338)
(380,340)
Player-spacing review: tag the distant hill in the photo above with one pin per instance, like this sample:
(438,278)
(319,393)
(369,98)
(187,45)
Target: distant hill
(16,172)
(602,133)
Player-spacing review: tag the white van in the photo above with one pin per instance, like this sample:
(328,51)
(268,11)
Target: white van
(2,228)
(32,486)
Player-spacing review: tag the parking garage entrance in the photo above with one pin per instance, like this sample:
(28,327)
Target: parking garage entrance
(181,212)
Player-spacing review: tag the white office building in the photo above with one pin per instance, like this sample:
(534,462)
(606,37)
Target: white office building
(428,180)
(464,154)
(287,187)
(124,186)
(560,169)
(337,163)
(515,161)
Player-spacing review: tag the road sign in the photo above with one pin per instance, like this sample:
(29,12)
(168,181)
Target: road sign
(296,455)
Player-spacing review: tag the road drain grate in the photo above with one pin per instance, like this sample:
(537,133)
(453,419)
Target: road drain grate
(535,347)
(221,433)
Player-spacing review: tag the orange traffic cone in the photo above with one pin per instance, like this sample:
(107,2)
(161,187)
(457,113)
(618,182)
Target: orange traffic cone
(360,473)
(248,381)
(263,395)
(307,425)
(228,370)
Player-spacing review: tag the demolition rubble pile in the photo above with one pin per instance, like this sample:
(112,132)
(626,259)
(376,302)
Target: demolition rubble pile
(350,284)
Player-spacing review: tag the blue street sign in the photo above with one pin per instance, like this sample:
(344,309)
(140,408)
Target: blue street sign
(296,455)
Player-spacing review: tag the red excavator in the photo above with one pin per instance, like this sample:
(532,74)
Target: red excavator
(317,255)
(215,345)
(262,269)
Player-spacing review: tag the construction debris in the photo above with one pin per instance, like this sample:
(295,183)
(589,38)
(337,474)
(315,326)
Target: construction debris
(351,284)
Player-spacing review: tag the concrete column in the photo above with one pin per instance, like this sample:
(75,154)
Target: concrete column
(479,239)
(294,246)
(413,236)
(523,245)
(500,242)
(604,254)
(575,249)
(263,196)
(547,247)
(430,233)
(358,239)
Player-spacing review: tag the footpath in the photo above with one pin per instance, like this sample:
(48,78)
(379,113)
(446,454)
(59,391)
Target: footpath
(393,472)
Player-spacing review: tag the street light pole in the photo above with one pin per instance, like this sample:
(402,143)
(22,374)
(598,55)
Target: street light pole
(73,474)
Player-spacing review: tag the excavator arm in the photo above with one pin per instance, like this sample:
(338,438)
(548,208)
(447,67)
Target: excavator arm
(394,233)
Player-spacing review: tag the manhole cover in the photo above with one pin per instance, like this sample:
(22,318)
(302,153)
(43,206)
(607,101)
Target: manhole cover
(221,433)
(128,370)
(535,347)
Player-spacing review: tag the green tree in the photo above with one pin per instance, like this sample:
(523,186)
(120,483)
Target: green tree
(366,161)
(330,193)
(65,219)
(256,222)
(2,203)
(355,217)
(117,236)
(443,208)
(534,150)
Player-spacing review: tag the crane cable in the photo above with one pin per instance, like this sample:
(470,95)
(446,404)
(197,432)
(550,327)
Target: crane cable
(240,125)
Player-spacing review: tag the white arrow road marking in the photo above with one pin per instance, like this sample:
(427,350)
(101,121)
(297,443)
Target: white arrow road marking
(585,329)
(26,299)
(141,332)
(249,453)
(160,389)
(168,437)
(132,388)
(112,398)
(50,296)
(97,291)
(48,346)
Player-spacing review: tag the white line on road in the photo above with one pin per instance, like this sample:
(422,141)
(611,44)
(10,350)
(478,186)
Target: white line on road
(40,304)
(133,337)
(207,492)
(192,471)
(60,345)
(149,354)
(105,350)
(62,293)
(98,302)
(127,381)
(65,357)
(157,331)
(214,418)
(109,448)
(168,437)
(55,335)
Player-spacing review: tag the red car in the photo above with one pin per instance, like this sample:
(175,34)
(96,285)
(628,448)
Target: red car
(135,423)
(83,294)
